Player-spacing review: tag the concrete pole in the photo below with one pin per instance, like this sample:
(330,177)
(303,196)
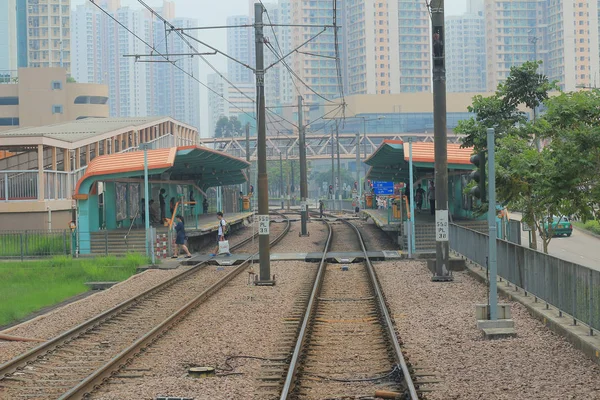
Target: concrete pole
(288,179)
(147,203)
(358,163)
(281,178)
(339,187)
(263,183)
(440,141)
(303,166)
(492,223)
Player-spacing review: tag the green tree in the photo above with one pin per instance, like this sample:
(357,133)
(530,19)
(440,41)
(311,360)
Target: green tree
(524,86)
(228,127)
(274,175)
(346,176)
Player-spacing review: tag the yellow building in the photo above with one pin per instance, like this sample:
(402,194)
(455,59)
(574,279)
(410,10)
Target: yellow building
(42,96)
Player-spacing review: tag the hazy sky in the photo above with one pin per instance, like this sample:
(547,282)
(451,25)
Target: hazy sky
(215,13)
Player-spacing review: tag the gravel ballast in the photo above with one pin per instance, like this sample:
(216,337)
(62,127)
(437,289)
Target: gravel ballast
(61,319)
(238,320)
(437,323)
(292,243)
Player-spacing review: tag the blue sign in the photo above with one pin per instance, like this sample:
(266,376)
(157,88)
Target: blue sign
(383,188)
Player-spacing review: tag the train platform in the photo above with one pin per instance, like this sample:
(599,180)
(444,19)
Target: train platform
(332,257)
(208,223)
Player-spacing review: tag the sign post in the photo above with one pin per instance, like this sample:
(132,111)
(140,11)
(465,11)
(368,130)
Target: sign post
(441,225)
(383,188)
(263,224)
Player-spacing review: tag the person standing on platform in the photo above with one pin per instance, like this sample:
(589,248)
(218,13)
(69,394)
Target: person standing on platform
(222,233)
(419,194)
(321,207)
(205,205)
(192,201)
(431,197)
(180,238)
(163,204)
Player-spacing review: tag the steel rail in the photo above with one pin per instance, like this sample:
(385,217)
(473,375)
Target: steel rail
(288,385)
(388,320)
(294,363)
(104,373)
(20,362)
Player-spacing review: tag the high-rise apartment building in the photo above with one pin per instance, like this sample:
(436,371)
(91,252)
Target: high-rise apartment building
(414,49)
(135,88)
(318,72)
(217,105)
(240,45)
(465,50)
(8,36)
(563,34)
(43,33)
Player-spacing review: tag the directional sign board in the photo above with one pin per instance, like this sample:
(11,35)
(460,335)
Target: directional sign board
(383,188)
(441,225)
(263,224)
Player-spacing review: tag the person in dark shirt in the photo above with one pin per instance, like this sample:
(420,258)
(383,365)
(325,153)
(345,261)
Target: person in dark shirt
(163,204)
(205,205)
(180,238)
(419,196)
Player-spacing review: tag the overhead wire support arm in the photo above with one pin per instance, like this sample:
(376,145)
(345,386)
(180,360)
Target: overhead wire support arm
(316,55)
(298,47)
(218,51)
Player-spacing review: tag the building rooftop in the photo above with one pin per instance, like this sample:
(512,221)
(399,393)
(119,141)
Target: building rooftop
(74,131)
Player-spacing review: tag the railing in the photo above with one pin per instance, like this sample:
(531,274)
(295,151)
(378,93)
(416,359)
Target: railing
(18,185)
(570,287)
(55,185)
(34,243)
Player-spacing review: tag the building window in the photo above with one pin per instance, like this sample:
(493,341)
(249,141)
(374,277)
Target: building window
(91,100)
(10,121)
(57,109)
(56,85)
(9,101)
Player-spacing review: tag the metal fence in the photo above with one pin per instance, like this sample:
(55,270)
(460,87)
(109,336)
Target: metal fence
(32,243)
(19,185)
(55,185)
(570,287)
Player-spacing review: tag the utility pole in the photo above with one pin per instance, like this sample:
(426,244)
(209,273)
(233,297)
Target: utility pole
(303,182)
(332,170)
(339,185)
(262,181)
(442,247)
(281,178)
(358,164)
(288,179)
(248,156)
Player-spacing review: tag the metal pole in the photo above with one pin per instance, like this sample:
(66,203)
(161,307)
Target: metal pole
(281,178)
(288,179)
(263,183)
(332,169)
(440,143)
(303,182)
(248,156)
(413,233)
(339,176)
(147,203)
(358,164)
(492,223)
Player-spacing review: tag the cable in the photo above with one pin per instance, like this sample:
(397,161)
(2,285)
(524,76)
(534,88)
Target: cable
(186,41)
(394,371)
(171,62)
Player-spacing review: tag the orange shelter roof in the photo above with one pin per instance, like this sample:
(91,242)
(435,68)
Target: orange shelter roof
(129,162)
(425,151)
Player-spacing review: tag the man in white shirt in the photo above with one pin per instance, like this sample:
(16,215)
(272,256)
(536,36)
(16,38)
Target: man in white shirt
(222,233)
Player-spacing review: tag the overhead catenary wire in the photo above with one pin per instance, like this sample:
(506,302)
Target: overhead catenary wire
(165,57)
(187,42)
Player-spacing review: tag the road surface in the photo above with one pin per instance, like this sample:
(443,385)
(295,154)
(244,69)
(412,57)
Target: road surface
(580,248)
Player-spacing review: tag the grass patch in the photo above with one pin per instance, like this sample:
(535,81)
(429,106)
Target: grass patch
(591,226)
(30,285)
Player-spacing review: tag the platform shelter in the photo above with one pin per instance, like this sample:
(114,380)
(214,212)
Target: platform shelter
(110,194)
(390,162)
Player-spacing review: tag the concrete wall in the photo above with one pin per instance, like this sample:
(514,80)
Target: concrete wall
(34,220)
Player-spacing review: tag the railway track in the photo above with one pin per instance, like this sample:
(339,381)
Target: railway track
(73,364)
(346,346)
